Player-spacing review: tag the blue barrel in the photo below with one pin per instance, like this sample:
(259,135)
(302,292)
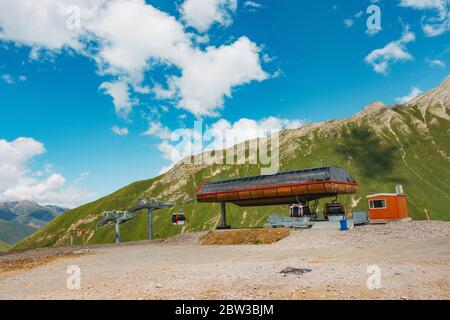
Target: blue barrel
(344,226)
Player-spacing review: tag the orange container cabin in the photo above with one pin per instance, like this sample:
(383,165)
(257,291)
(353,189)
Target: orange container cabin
(387,206)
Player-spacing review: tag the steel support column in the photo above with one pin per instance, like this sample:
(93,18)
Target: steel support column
(117,233)
(150,224)
(223,217)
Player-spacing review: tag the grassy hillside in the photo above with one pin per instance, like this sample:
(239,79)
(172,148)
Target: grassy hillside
(380,146)
(3,246)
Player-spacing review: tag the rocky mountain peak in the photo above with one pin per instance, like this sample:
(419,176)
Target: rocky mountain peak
(371,108)
(439,95)
(446,82)
(376,105)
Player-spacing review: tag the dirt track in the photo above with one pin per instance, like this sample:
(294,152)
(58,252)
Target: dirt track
(414,259)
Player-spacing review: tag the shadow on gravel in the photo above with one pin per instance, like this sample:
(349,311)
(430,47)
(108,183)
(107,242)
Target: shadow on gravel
(290,270)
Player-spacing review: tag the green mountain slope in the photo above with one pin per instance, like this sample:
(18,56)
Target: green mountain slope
(3,246)
(12,232)
(381,146)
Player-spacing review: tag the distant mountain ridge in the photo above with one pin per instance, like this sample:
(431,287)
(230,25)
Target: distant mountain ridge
(29,212)
(381,146)
(19,219)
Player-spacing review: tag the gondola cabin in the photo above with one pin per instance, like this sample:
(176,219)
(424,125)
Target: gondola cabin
(334,210)
(299,210)
(179,218)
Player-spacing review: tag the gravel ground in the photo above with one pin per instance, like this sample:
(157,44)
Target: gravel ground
(413,258)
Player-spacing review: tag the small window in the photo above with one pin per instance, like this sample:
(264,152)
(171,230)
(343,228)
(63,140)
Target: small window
(377,204)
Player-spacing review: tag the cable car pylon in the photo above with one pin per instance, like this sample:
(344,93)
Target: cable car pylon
(119,218)
(151,204)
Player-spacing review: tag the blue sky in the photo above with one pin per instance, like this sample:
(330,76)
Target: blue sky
(293,60)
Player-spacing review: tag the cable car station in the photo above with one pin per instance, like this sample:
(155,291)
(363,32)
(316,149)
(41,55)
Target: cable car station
(302,189)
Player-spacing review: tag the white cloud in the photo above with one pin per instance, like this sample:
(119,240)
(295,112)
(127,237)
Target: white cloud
(7,78)
(41,23)
(202,14)
(119,131)
(170,152)
(435,63)
(267,59)
(393,52)
(47,169)
(372,32)
(434,25)
(252,6)
(219,135)
(158,130)
(14,157)
(201,38)
(81,177)
(439,5)
(119,91)
(248,129)
(129,38)
(359,14)
(349,23)
(164,94)
(134,35)
(415,92)
(10,79)
(19,182)
(435,29)
(208,77)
